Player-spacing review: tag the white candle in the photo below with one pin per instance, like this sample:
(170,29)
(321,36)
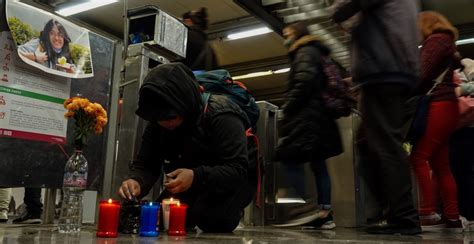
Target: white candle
(165,205)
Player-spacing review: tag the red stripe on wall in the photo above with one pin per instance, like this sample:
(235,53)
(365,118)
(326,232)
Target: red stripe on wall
(31,136)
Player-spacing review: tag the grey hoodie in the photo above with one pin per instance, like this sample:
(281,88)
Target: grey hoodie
(385,42)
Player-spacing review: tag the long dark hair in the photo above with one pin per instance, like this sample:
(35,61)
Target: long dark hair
(300,28)
(46,43)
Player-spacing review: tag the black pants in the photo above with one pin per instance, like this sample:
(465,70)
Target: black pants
(215,213)
(32,201)
(462,167)
(382,108)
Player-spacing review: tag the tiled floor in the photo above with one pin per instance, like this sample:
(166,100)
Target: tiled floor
(48,234)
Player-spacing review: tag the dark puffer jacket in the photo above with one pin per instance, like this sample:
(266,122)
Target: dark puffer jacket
(199,54)
(308,133)
(212,144)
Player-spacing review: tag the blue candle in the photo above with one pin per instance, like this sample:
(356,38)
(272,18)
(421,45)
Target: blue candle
(148,219)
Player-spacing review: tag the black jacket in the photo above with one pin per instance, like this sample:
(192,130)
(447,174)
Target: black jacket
(199,54)
(212,144)
(308,132)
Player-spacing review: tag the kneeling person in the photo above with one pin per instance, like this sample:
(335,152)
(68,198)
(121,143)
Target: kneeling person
(203,154)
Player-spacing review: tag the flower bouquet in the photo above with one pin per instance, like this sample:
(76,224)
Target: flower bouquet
(89,117)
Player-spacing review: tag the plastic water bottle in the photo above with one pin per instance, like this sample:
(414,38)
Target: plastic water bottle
(74,185)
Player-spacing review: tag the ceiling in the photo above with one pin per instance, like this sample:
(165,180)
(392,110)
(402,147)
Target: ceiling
(264,52)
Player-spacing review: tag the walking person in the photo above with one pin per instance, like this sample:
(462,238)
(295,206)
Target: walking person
(385,63)
(430,155)
(309,132)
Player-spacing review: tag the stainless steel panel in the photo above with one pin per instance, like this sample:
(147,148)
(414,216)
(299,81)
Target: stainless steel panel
(131,127)
(266,132)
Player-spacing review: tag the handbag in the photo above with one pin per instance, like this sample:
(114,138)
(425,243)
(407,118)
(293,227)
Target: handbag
(420,119)
(466,111)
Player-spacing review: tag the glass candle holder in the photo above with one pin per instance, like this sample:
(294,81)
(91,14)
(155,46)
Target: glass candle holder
(149,219)
(108,218)
(165,209)
(177,220)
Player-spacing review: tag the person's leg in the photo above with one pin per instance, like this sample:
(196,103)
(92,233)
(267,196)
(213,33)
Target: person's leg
(34,207)
(32,200)
(295,173)
(446,183)
(323,184)
(433,148)
(369,168)
(5,196)
(462,167)
(219,214)
(382,111)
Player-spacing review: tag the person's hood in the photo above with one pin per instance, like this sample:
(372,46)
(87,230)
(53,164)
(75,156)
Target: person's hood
(170,88)
(310,40)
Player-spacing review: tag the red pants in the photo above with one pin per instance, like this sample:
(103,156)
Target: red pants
(432,153)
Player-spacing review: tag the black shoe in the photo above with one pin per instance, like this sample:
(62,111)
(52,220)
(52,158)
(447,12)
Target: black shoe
(326,223)
(28,219)
(391,228)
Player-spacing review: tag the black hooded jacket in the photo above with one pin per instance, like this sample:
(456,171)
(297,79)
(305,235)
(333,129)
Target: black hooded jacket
(308,132)
(212,144)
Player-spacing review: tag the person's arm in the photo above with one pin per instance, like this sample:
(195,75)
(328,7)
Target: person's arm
(29,51)
(306,77)
(352,7)
(228,137)
(146,168)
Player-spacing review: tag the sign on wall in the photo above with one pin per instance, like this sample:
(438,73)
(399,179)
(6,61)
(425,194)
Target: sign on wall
(49,42)
(31,107)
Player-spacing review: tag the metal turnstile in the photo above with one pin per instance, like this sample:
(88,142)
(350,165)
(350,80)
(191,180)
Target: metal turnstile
(347,193)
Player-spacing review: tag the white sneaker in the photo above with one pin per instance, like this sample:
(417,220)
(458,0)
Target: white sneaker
(468,226)
(3,215)
(328,225)
(304,219)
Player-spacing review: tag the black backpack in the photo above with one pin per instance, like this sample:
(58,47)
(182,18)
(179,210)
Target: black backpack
(337,97)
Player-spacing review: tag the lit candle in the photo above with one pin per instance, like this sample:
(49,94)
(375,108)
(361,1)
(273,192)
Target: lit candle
(149,219)
(108,218)
(177,220)
(165,206)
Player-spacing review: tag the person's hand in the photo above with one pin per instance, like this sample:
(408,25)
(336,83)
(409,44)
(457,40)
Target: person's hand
(179,180)
(457,90)
(41,57)
(129,189)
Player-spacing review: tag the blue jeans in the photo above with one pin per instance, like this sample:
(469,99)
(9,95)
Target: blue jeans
(321,175)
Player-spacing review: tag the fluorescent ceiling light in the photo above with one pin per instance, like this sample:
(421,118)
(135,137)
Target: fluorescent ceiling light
(252,75)
(81,7)
(465,41)
(290,200)
(249,33)
(280,71)
(262,73)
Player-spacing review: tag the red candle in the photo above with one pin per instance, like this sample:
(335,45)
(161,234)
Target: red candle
(108,218)
(177,225)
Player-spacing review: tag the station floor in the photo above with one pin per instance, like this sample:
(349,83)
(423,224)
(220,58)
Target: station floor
(39,234)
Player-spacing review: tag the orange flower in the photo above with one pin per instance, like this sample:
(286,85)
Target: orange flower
(90,117)
(69,115)
(98,129)
(101,121)
(73,106)
(83,102)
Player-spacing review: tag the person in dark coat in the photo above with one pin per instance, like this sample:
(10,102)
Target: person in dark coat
(385,63)
(309,134)
(203,155)
(199,53)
